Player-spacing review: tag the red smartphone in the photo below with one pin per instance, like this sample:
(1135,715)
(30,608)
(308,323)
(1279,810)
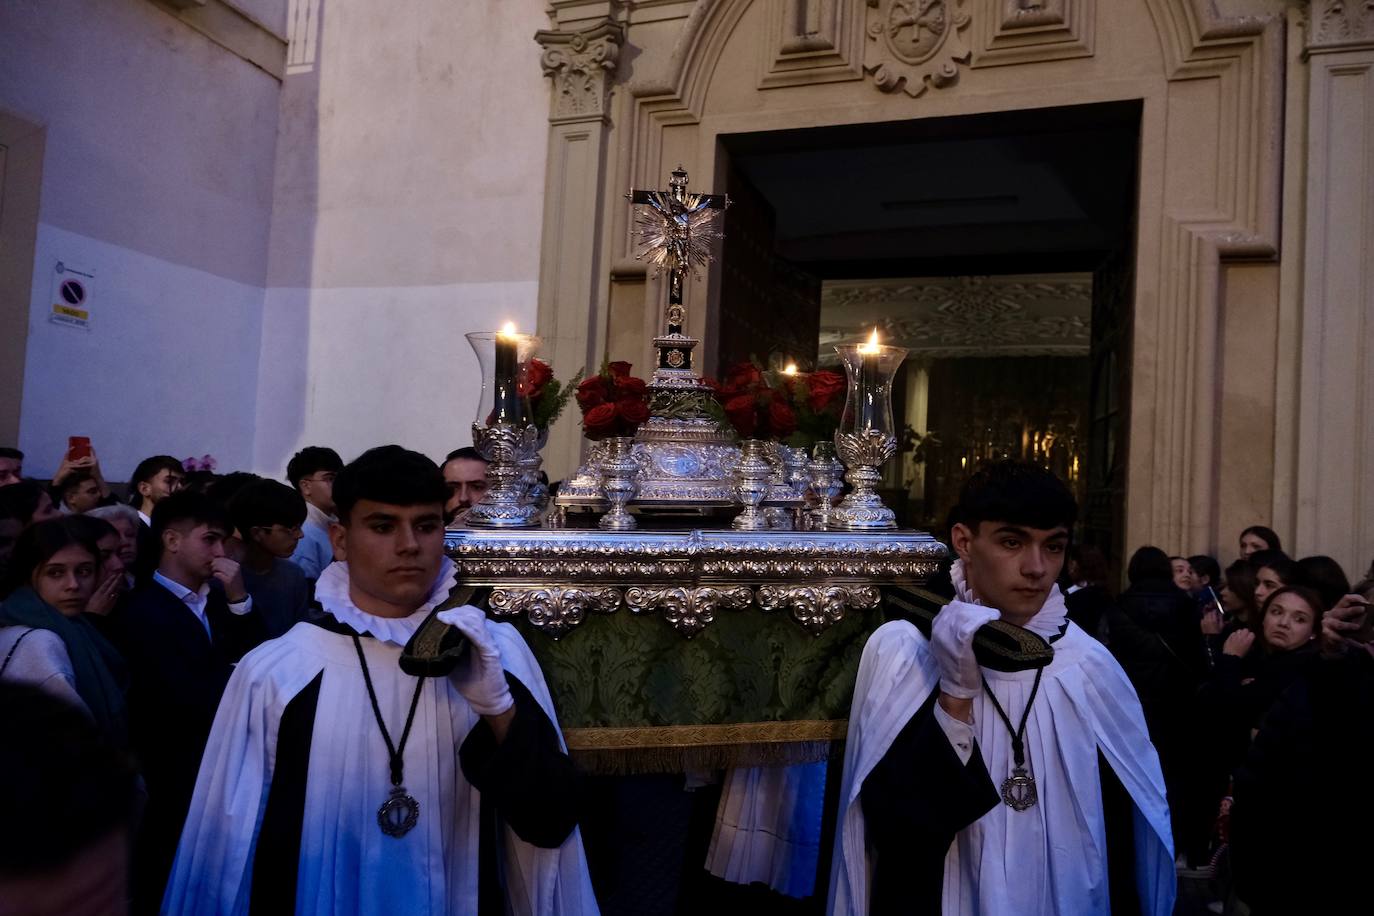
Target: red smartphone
(78,447)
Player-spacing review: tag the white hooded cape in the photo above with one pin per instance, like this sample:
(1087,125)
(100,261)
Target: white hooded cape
(1052,858)
(347,865)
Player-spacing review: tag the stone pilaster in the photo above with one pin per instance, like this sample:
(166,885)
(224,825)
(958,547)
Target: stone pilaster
(572,283)
(1335,454)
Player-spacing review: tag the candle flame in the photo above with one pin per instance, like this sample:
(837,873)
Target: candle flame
(872,345)
(790,369)
(508,329)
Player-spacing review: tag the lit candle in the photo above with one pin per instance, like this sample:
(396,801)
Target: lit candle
(790,369)
(869,355)
(507,406)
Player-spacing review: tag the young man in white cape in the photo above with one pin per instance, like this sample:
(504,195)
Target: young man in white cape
(333,782)
(971,790)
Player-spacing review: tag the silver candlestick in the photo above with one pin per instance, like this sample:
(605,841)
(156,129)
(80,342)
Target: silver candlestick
(536,491)
(751,485)
(504,505)
(794,468)
(866,437)
(825,473)
(584,488)
(863,452)
(619,468)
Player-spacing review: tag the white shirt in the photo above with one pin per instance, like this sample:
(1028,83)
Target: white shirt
(197,600)
(144,517)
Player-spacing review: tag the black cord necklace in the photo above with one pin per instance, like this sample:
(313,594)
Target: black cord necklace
(1018,789)
(398,814)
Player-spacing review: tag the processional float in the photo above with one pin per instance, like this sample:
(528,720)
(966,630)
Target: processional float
(738,546)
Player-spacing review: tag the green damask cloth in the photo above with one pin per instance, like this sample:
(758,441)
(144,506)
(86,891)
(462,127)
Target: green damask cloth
(632,694)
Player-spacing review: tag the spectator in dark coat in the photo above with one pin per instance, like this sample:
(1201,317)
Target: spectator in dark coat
(1087,596)
(1153,630)
(1255,667)
(185,627)
(1206,572)
(1274,570)
(1326,577)
(1258,538)
(1321,726)
(268,516)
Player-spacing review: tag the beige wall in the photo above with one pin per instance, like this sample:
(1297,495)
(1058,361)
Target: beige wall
(157,177)
(408,195)
(1224,362)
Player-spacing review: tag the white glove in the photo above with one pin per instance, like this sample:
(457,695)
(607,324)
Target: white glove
(479,677)
(951,639)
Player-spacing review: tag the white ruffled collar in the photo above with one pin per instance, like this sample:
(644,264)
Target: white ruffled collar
(332,592)
(1047,622)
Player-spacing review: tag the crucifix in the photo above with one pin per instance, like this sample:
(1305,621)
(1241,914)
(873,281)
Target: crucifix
(675,229)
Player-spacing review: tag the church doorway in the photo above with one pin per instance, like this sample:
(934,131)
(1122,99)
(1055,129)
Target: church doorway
(998,248)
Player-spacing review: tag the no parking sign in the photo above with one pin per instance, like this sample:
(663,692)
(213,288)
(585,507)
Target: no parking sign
(71,296)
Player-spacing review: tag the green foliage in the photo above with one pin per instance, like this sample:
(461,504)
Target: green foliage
(553,399)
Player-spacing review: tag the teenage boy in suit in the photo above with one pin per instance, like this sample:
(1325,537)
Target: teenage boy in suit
(186,626)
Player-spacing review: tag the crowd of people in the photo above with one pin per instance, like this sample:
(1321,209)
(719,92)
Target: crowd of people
(1224,664)
(1256,683)
(94,599)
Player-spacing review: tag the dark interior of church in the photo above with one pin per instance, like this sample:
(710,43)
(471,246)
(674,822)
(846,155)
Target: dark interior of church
(909,226)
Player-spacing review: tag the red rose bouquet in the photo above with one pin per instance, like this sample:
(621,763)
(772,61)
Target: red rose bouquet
(796,408)
(613,402)
(756,402)
(818,398)
(547,396)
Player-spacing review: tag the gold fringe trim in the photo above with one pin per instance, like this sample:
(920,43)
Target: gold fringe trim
(678,748)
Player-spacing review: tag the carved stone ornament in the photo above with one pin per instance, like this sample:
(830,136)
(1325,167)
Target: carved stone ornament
(689,610)
(915,44)
(553,609)
(817,608)
(1340,24)
(582,65)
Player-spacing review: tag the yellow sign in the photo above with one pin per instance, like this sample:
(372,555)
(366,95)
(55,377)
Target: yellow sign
(71,296)
(78,314)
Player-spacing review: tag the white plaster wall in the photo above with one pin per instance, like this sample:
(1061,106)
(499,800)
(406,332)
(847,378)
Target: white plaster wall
(409,196)
(168,365)
(157,174)
(381,365)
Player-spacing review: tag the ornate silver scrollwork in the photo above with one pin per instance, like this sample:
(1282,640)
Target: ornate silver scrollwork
(688,610)
(863,452)
(504,505)
(817,607)
(688,575)
(553,609)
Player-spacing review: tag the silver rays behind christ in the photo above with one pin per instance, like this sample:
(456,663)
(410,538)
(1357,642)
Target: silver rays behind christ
(676,234)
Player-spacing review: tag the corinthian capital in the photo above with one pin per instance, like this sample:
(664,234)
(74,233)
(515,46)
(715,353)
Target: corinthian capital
(582,65)
(1336,25)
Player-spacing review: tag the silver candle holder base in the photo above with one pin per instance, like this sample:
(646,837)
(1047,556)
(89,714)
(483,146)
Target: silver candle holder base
(863,452)
(505,504)
(752,478)
(826,476)
(619,467)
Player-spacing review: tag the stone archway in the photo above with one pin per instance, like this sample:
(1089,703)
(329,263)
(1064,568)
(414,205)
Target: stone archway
(1211,90)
